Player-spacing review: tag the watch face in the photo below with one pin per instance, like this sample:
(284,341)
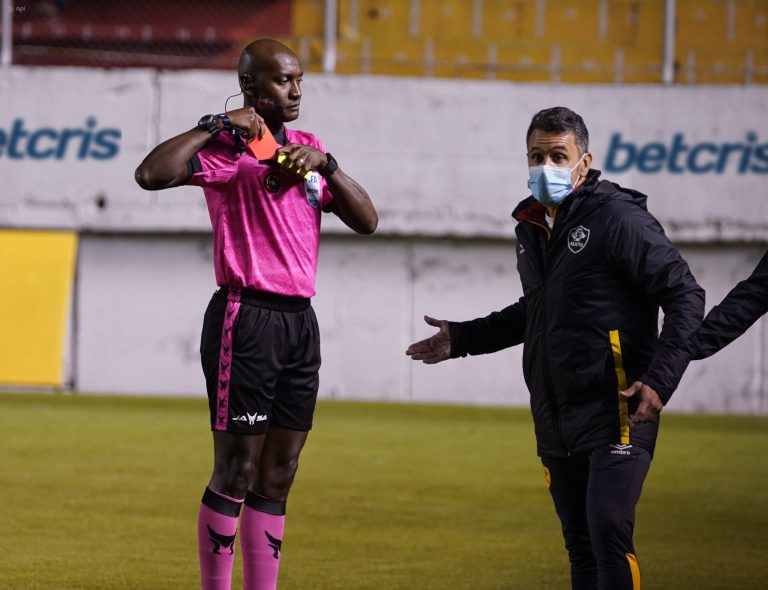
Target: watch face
(209,123)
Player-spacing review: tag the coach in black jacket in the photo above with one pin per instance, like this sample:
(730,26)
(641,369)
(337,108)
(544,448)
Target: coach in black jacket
(741,308)
(595,267)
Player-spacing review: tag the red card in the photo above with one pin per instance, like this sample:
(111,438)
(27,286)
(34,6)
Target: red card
(264,148)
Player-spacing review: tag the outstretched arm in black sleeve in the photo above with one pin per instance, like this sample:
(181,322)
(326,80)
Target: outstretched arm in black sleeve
(499,330)
(741,308)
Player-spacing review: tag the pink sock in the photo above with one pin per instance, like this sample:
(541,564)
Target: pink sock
(261,539)
(216,531)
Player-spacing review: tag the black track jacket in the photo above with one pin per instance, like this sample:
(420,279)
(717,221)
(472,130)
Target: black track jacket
(588,318)
(741,308)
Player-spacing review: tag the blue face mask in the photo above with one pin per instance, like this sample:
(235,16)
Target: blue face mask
(551,184)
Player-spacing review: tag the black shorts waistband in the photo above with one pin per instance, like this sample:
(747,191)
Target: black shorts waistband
(267,300)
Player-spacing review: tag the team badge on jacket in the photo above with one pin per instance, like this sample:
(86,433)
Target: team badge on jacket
(312,188)
(577,239)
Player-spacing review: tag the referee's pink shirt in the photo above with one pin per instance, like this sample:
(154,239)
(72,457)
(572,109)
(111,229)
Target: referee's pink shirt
(266,223)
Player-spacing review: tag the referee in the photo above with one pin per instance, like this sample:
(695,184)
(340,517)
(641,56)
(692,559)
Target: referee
(260,345)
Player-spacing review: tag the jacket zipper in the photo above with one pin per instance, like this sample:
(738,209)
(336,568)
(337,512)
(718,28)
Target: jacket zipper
(556,419)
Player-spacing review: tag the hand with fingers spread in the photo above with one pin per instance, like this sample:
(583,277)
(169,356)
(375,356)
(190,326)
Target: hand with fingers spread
(650,405)
(434,349)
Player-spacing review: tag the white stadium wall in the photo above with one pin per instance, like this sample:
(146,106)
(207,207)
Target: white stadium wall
(444,162)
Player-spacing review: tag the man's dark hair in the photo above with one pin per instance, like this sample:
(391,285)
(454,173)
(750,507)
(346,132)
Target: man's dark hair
(561,120)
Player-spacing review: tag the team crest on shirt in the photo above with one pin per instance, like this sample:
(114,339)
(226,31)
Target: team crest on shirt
(577,239)
(312,189)
(272,182)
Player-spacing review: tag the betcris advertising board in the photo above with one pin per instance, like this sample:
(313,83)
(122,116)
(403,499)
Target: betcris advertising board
(743,156)
(705,182)
(69,138)
(699,153)
(88,141)
(439,157)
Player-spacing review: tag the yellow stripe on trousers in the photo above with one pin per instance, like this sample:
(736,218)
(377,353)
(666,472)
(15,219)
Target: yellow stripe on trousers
(622,378)
(635,569)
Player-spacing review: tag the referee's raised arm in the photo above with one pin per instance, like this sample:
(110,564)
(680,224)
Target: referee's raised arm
(166,165)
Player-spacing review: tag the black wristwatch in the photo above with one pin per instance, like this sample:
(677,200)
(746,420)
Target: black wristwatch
(209,123)
(330,167)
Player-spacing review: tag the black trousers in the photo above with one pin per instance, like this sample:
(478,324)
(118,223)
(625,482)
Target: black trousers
(595,495)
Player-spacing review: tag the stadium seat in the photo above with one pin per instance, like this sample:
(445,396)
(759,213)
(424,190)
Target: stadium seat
(379,19)
(642,65)
(702,23)
(760,67)
(382,57)
(154,33)
(447,22)
(525,62)
(636,25)
(307,18)
(750,26)
(721,42)
(468,59)
(574,22)
(596,62)
(713,66)
(505,21)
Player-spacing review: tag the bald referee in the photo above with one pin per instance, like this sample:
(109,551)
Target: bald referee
(260,345)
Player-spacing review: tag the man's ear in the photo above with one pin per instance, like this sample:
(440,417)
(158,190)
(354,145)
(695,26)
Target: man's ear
(246,83)
(585,164)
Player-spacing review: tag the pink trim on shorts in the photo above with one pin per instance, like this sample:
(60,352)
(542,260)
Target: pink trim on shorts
(225,360)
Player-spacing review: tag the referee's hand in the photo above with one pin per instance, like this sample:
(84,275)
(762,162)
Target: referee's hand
(248,120)
(650,405)
(434,349)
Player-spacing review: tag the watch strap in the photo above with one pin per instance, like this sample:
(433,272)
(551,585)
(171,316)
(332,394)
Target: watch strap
(330,167)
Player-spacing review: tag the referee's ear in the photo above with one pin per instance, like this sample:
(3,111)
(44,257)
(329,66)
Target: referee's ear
(246,84)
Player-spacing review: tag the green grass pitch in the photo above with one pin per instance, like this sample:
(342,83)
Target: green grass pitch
(102,493)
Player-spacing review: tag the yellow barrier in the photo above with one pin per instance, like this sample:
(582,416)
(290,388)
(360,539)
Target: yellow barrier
(37,270)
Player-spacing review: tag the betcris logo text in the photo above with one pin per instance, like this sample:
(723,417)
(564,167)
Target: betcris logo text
(88,142)
(679,157)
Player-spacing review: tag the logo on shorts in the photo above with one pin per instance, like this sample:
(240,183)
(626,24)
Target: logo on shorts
(272,183)
(312,189)
(577,239)
(621,449)
(250,418)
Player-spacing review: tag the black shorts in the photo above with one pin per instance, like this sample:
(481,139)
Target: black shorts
(261,357)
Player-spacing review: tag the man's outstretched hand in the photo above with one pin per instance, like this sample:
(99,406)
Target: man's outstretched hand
(650,403)
(434,349)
